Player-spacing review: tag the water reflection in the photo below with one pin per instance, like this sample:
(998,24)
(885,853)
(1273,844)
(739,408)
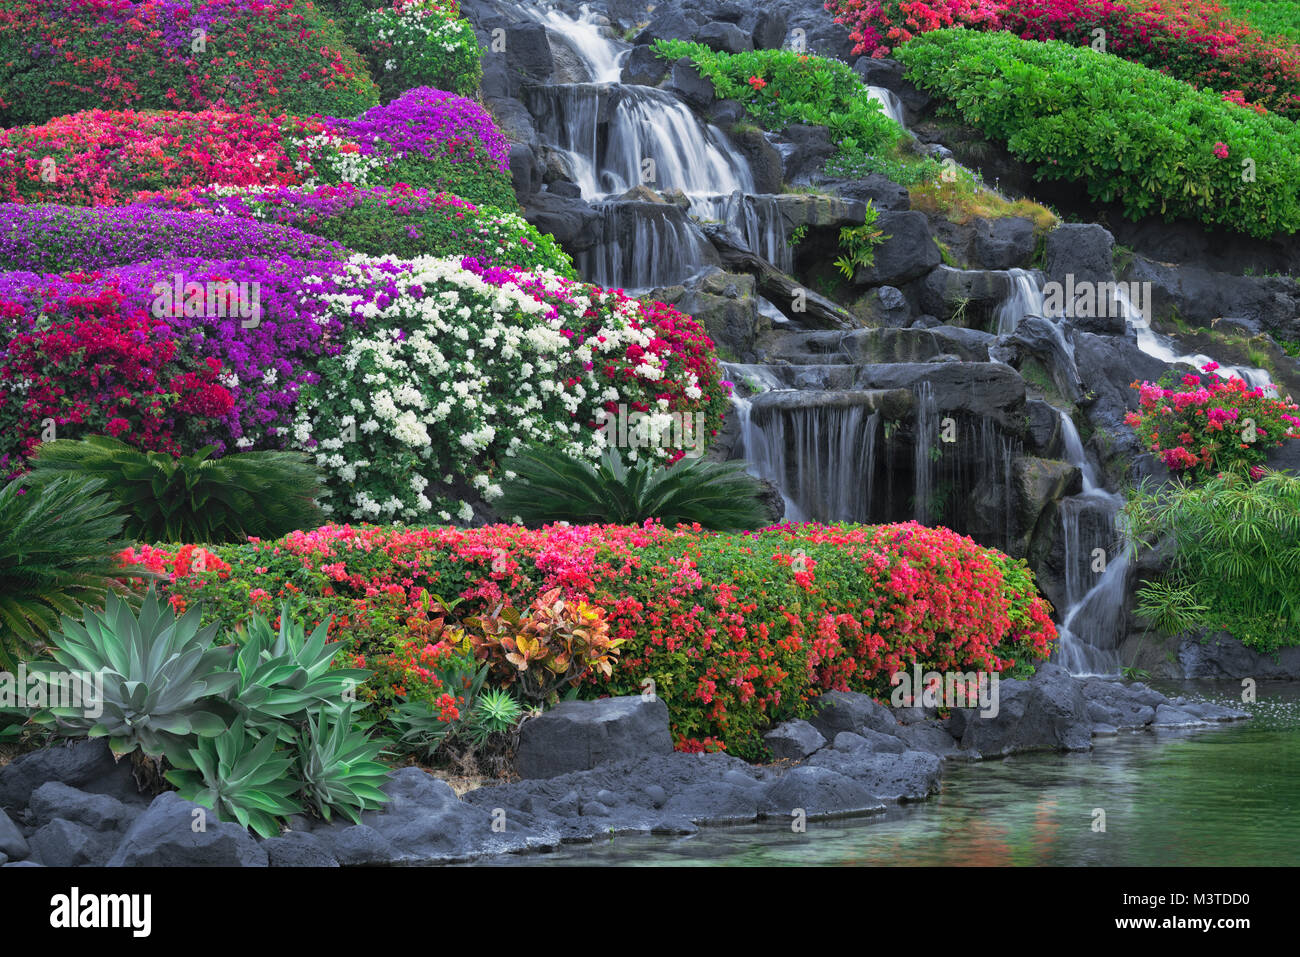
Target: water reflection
(1225,796)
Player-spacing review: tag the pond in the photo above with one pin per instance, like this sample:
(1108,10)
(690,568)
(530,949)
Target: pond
(1228,795)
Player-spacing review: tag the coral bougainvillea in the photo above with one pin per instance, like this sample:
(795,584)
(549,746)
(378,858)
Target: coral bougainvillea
(733,632)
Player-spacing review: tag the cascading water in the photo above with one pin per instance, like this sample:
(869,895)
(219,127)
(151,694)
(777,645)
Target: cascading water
(926,424)
(889,102)
(1096,577)
(615,137)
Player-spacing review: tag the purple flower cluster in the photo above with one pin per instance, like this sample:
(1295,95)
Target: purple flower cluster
(266,362)
(431,123)
(51,238)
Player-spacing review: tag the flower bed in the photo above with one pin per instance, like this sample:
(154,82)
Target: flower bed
(463,364)
(736,632)
(1191,40)
(1134,136)
(456,367)
(267,56)
(51,238)
(426,138)
(1212,425)
(389,220)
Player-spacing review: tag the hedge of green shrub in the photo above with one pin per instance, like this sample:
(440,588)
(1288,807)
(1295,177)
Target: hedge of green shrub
(1131,135)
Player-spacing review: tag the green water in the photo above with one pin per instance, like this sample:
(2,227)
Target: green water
(1229,795)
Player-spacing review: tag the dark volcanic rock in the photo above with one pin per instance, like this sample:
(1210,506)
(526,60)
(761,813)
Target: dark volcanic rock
(12,843)
(909,253)
(165,835)
(578,735)
(794,739)
(86,765)
(909,776)
(64,844)
(818,792)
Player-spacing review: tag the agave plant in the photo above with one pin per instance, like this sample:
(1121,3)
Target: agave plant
(338,767)
(242,777)
(553,487)
(194,498)
(58,548)
(494,712)
(284,675)
(162,678)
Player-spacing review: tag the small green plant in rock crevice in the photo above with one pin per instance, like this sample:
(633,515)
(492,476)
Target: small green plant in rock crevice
(858,244)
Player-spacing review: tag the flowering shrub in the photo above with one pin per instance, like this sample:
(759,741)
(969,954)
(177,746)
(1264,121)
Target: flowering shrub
(1212,425)
(101,365)
(50,238)
(426,138)
(456,368)
(421,43)
(260,367)
(389,220)
(1191,40)
(1072,111)
(781,87)
(735,631)
(265,56)
(438,140)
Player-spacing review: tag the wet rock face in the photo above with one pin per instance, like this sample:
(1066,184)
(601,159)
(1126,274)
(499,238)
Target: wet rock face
(578,735)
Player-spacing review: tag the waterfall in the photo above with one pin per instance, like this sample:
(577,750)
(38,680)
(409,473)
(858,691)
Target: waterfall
(756,217)
(1094,597)
(1165,349)
(602,56)
(641,246)
(1024,299)
(889,102)
(923,464)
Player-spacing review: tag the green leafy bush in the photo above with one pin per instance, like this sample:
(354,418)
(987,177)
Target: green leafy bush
(192,498)
(1236,556)
(1133,136)
(1270,17)
(782,87)
(554,487)
(420,43)
(58,548)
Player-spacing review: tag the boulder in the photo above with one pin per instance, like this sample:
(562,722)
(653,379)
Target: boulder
(770,29)
(578,735)
(1047,712)
(64,844)
(87,765)
(794,739)
(573,223)
(909,253)
(165,835)
(1003,243)
(1220,655)
(969,297)
(643,67)
(687,82)
(12,843)
(810,148)
(870,740)
(850,711)
(99,812)
(724,37)
(1084,250)
(765,161)
(876,188)
(909,776)
(669,24)
(818,792)
(298,849)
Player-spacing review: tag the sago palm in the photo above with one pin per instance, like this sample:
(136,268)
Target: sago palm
(554,487)
(194,498)
(58,548)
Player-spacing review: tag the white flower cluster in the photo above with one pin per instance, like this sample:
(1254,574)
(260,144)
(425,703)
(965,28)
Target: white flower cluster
(451,373)
(419,28)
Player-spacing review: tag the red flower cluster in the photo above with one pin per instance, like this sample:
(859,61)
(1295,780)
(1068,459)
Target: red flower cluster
(734,632)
